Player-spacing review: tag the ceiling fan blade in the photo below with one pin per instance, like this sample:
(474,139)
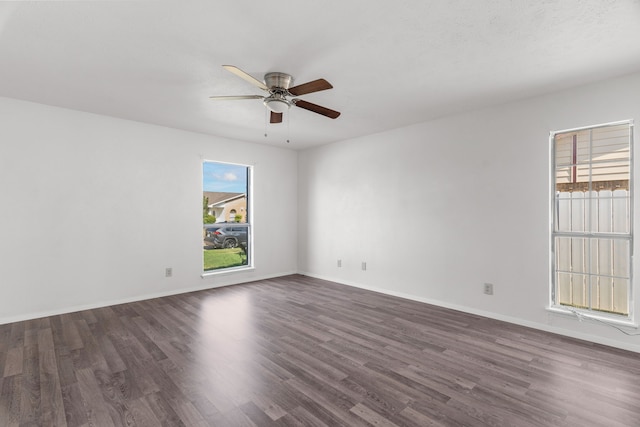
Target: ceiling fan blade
(276,117)
(316,108)
(238,72)
(233,98)
(310,87)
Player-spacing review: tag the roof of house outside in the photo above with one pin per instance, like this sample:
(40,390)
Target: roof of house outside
(216,198)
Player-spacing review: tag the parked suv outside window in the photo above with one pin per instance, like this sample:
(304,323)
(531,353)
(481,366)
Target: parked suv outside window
(226,235)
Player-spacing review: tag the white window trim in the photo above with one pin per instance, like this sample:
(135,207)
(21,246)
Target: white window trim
(579,313)
(227,270)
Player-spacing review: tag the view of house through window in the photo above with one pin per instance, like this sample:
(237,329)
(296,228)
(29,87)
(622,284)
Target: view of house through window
(226,230)
(592,230)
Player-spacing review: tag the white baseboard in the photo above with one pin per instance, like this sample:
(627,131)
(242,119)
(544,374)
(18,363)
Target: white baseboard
(471,310)
(76,308)
(517,321)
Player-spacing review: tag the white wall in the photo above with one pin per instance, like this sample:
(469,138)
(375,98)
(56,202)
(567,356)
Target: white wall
(93,209)
(439,208)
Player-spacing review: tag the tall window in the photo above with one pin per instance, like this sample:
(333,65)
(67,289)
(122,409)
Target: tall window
(226,231)
(592,219)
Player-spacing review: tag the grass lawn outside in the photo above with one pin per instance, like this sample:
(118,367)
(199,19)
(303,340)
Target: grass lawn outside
(223,258)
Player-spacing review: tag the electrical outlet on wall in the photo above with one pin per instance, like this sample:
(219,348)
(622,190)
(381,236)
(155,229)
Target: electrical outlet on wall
(339,263)
(488,288)
(168,272)
(364,265)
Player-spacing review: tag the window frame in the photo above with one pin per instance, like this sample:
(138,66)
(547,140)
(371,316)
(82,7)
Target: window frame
(248,214)
(590,236)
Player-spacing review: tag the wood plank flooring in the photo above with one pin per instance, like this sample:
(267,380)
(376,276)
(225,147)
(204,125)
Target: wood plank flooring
(296,351)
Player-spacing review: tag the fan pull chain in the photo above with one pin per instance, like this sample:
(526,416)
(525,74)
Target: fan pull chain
(265,122)
(288,121)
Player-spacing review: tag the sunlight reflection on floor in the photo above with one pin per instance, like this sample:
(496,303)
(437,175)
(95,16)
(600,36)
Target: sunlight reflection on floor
(226,354)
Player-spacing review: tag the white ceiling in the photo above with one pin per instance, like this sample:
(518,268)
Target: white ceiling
(391,63)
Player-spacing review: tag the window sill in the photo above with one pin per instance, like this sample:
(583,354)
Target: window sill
(226,271)
(581,314)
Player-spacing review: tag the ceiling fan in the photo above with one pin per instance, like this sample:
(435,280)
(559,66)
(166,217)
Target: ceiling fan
(278,85)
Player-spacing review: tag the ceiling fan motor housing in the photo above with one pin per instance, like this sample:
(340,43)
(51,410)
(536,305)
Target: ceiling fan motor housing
(278,80)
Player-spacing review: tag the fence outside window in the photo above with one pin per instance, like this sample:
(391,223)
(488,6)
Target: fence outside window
(592,218)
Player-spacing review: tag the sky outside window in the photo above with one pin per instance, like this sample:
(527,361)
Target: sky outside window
(224,177)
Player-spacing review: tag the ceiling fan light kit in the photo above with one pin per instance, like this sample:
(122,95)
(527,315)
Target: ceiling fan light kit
(277,103)
(279,87)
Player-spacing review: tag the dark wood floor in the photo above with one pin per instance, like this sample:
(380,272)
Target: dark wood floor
(300,351)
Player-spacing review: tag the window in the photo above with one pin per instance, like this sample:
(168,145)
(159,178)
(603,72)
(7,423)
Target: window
(592,220)
(226,234)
